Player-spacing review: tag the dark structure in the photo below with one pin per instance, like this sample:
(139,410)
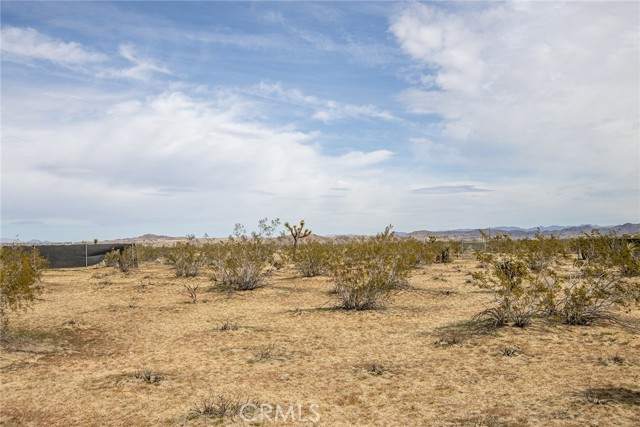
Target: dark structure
(82,255)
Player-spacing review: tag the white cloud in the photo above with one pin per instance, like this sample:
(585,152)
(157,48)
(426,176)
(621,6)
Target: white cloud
(142,68)
(546,88)
(325,110)
(450,189)
(206,159)
(360,51)
(24,44)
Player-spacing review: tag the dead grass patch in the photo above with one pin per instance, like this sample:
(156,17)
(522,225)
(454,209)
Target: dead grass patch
(367,368)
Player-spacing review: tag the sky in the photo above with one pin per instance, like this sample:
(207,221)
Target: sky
(125,118)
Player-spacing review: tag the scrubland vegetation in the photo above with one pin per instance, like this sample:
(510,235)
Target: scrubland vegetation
(381,331)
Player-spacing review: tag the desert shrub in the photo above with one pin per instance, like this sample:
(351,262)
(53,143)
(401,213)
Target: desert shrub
(538,253)
(228,325)
(20,272)
(613,251)
(513,287)
(443,251)
(242,263)
(186,258)
(592,291)
(541,252)
(548,289)
(148,376)
(126,259)
(367,271)
(191,290)
(218,406)
(416,253)
(279,259)
(151,253)
(501,243)
(312,258)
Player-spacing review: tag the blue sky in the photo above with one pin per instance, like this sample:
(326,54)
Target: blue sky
(126,118)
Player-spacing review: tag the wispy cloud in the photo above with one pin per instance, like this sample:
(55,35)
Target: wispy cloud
(449,189)
(324,110)
(363,52)
(141,69)
(27,44)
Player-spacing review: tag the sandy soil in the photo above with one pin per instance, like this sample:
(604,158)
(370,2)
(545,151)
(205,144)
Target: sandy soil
(76,358)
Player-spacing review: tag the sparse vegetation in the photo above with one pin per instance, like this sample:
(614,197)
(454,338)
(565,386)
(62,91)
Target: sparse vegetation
(20,270)
(423,352)
(242,263)
(186,258)
(374,368)
(148,376)
(126,259)
(312,258)
(514,291)
(366,272)
(191,290)
(611,251)
(525,280)
(218,406)
(229,326)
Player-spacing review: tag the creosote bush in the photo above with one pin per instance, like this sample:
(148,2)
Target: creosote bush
(20,271)
(613,251)
(367,271)
(243,262)
(151,253)
(510,282)
(126,259)
(186,258)
(524,280)
(593,294)
(312,258)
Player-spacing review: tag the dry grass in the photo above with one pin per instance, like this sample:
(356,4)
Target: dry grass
(82,355)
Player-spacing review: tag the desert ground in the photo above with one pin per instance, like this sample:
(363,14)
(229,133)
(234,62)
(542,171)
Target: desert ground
(105,348)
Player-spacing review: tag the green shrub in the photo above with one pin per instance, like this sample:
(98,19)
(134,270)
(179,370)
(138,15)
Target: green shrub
(151,253)
(526,281)
(125,260)
(366,272)
(186,258)
(594,293)
(312,258)
(20,271)
(244,262)
(513,287)
(538,253)
(613,251)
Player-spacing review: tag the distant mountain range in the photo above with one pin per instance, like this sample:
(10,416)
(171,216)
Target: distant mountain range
(562,232)
(464,234)
(6,241)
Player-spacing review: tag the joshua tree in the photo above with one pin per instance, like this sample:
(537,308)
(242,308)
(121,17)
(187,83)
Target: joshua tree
(297,232)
